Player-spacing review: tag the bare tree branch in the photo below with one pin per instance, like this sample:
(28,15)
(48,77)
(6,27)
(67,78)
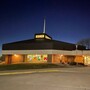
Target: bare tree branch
(84,42)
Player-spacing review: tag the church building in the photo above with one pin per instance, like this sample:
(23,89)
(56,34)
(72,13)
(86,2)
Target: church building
(43,49)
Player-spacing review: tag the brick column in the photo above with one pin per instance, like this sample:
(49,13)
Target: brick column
(49,58)
(24,58)
(9,59)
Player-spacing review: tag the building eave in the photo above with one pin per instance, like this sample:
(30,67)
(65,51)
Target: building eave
(64,52)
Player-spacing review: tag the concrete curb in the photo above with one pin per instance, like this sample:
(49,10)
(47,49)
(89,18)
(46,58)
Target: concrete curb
(31,71)
(27,72)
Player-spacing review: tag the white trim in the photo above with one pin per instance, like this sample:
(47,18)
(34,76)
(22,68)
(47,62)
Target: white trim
(64,52)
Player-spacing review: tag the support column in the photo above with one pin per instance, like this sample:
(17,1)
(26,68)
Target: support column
(49,58)
(24,58)
(9,59)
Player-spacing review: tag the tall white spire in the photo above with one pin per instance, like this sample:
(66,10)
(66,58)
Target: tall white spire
(44,28)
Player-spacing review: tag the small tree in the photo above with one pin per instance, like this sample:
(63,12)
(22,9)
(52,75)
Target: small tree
(84,42)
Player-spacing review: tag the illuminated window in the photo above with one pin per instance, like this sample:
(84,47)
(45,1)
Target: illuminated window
(37,58)
(39,36)
(42,36)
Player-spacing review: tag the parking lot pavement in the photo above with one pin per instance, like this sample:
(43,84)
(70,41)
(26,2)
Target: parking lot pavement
(64,79)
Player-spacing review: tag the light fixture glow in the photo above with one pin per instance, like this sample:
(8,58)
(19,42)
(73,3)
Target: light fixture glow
(15,55)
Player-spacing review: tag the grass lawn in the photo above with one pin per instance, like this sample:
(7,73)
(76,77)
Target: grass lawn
(27,66)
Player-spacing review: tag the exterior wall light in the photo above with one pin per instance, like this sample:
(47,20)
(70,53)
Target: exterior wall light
(15,55)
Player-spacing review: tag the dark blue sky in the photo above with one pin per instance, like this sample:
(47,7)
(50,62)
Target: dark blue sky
(66,20)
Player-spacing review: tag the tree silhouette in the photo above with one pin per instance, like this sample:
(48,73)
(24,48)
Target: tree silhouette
(84,42)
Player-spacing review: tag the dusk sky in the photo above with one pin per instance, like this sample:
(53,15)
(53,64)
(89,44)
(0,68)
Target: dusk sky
(66,20)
